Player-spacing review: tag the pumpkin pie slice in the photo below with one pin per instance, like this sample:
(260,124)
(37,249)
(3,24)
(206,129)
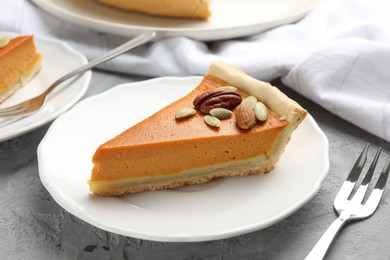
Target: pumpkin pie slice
(19,63)
(162,152)
(199,9)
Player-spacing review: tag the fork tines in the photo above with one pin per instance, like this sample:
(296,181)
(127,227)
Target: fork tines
(353,177)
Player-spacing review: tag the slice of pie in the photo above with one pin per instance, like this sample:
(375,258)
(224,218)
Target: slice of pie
(163,152)
(19,62)
(170,8)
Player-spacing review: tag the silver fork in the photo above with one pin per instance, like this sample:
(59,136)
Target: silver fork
(31,105)
(351,206)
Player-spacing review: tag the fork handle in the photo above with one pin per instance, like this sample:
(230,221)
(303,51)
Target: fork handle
(320,249)
(140,39)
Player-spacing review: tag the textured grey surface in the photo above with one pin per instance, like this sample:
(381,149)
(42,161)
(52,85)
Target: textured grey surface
(34,226)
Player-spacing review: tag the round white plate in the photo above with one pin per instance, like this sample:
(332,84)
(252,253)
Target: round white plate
(219,209)
(58,59)
(230,19)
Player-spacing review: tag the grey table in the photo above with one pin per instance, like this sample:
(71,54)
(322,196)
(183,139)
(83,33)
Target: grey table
(34,226)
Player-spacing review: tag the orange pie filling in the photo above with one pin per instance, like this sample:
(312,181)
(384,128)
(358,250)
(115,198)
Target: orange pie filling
(175,157)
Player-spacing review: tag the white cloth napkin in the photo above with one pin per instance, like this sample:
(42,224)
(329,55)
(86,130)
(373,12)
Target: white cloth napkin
(338,55)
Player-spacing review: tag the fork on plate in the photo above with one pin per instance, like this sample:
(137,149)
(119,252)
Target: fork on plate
(31,105)
(351,205)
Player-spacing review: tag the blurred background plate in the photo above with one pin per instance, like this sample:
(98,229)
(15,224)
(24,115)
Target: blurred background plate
(58,58)
(230,18)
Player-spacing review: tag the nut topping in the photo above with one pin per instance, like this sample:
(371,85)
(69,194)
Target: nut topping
(227,101)
(212,121)
(4,40)
(261,111)
(217,99)
(250,101)
(245,117)
(221,113)
(230,88)
(217,104)
(206,95)
(185,112)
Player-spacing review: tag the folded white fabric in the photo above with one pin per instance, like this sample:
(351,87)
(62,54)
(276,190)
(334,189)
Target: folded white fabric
(338,55)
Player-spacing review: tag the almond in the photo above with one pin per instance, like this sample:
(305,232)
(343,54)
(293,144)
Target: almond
(245,116)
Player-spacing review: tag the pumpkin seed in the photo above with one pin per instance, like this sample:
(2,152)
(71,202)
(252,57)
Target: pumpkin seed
(250,101)
(212,121)
(261,111)
(4,40)
(185,112)
(228,88)
(221,113)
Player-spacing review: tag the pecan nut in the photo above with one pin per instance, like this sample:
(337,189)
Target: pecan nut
(217,99)
(227,101)
(206,95)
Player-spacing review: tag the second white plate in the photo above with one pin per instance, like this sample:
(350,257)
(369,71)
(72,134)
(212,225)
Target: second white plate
(219,209)
(58,58)
(230,19)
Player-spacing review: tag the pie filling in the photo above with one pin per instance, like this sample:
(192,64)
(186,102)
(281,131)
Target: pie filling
(183,155)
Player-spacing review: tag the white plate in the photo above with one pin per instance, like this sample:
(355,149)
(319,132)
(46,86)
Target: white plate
(58,59)
(219,209)
(230,19)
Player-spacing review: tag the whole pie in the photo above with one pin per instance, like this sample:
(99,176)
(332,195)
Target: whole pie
(19,62)
(168,151)
(170,8)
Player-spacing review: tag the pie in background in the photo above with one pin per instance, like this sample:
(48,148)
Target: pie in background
(19,63)
(199,9)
